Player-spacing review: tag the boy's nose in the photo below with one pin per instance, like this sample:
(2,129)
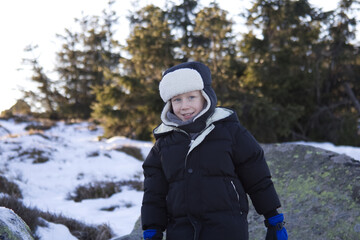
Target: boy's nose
(184,105)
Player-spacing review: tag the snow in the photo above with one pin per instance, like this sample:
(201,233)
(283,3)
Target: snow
(350,151)
(77,157)
(55,232)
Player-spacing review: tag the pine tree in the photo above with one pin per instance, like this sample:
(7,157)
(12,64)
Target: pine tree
(216,47)
(338,110)
(279,72)
(84,61)
(131,105)
(181,19)
(46,97)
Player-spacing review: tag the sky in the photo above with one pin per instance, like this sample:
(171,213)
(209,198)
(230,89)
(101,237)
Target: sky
(36,22)
(71,148)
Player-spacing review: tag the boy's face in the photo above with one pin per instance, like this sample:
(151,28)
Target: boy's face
(187,105)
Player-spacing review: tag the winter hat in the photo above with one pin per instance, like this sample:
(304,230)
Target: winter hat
(187,77)
(182,78)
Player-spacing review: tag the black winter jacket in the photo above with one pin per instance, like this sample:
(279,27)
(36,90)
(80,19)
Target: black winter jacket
(198,189)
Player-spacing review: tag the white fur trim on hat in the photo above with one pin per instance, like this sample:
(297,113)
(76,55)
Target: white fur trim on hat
(180,81)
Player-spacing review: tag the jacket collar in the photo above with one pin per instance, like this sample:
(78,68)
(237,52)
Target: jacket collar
(219,114)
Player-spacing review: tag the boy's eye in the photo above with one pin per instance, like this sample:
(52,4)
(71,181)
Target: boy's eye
(176,100)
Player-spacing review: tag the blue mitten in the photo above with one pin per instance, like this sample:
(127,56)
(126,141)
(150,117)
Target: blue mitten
(275,228)
(152,234)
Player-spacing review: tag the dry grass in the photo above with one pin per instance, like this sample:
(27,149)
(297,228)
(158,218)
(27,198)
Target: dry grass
(132,151)
(10,188)
(33,218)
(38,156)
(103,189)
(94,190)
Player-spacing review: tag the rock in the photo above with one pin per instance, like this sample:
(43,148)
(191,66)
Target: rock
(12,227)
(319,191)
(136,233)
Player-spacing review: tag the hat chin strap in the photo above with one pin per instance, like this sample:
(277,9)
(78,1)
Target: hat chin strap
(207,99)
(163,117)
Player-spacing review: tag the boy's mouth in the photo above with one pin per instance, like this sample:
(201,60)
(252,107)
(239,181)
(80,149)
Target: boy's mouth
(187,116)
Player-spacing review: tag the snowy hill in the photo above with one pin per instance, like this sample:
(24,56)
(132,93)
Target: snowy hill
(50,165)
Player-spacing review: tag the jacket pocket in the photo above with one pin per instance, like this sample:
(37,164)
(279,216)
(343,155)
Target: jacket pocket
(234,195)
(237,194)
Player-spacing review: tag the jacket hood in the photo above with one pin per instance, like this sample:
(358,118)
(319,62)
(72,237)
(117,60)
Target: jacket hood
(187,77)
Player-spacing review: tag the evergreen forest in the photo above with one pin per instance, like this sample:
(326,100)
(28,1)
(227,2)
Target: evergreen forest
(294,75)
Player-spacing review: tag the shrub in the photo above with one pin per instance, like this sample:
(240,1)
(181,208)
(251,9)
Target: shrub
(9,188)
(94,190)
(35,154)
(38,133)
(133,184)
(132,151)
(38,127)
(110,209)
(93,154)
(102,189)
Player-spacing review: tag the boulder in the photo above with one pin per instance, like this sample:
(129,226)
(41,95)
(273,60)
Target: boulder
(12,227)
(136,233)
(319,191)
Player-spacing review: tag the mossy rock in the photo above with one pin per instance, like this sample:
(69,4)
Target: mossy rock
(12,227)
(136,233)
(319,191)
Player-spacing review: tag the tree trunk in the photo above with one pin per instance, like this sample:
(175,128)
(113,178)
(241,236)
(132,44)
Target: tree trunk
(352,96)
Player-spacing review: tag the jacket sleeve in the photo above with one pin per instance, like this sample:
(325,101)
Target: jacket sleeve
(254,173)
(153,210)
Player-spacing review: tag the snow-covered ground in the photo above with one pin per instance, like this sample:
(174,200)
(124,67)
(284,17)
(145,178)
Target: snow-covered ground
(77,157)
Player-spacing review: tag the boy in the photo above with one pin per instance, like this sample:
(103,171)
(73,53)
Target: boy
(202,166)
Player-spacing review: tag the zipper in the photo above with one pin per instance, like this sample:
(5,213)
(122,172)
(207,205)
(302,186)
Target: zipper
(198,140)
(237,194)
(195,228)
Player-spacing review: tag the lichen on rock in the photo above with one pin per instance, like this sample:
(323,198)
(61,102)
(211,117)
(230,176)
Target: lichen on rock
(12,227)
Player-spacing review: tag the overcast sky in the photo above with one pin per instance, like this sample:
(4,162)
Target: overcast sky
(36,22)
